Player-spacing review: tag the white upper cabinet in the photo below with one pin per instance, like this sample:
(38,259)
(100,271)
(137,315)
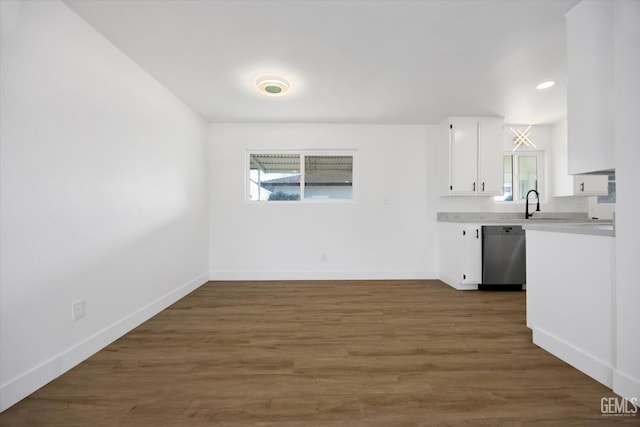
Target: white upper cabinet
(582,185)
(572,185)
(590,82)
(471,156)
(463,141)
(490,156)
(591,185)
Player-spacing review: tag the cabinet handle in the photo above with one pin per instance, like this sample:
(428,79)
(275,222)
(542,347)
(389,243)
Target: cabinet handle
(464,232)
(482,185)
(474,186)
(582,186)
(477,233)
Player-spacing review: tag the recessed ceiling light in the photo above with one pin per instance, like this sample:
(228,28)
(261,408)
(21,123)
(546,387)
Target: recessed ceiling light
(545,85)
(272,85)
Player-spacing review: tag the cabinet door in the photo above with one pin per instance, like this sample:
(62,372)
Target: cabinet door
(464,155)
(590,80)
(490,156)
(472,266)
(591,185)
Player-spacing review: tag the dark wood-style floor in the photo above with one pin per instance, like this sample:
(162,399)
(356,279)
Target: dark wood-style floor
(351,353)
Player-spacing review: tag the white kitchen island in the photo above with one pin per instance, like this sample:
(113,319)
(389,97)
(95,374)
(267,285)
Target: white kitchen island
(571,294)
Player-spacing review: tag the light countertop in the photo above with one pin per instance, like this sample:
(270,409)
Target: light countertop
(557,222)
(593,228)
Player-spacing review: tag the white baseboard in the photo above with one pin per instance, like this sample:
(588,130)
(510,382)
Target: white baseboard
(323,275)
(626,386)
(455,284)
(597,369)
(18,388)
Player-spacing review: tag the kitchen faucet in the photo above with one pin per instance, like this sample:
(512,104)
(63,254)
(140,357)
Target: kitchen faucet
(528,215)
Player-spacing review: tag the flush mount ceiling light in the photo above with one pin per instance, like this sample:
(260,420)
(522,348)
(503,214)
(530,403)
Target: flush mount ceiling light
(545,85)
(272,85)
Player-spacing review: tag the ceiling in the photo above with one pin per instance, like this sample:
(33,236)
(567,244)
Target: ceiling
(347,61)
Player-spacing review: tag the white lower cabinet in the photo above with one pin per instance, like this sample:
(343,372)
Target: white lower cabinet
(472,265)
(460,254)
(570,299)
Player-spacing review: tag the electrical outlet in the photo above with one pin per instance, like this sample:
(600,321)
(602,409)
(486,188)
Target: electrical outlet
(77,309)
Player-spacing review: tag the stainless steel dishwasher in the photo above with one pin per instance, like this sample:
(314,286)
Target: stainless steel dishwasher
(503,255)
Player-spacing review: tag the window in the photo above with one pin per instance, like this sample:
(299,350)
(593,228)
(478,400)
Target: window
(275,176)
(611,197)
(522,172)
(328,177)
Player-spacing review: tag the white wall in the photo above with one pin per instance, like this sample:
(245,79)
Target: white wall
(104,195)
(389,232)
(366,239)
(559,159)
(626,380)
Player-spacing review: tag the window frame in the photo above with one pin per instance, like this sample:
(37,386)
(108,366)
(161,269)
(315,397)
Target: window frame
(302,154)
(540,166)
